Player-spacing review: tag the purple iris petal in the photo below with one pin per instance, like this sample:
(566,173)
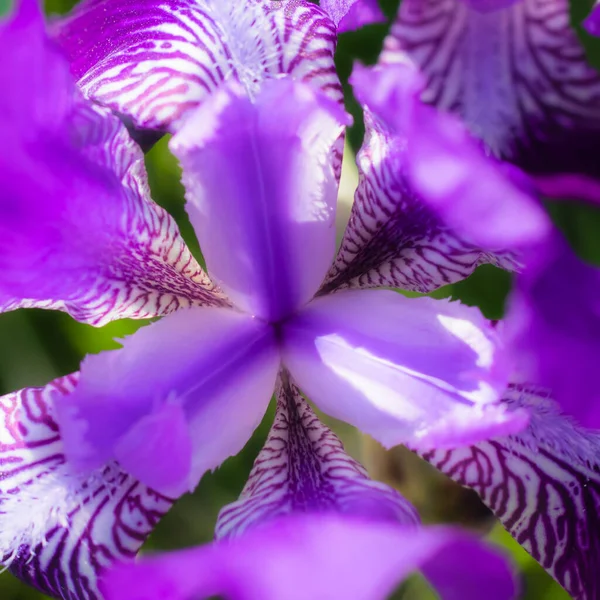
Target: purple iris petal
(553,322)
(303,467)
(156,60)
(447,166)
(394,238)
(403,370)
(489,5)
(262,191)
(77,227)
(518,77)
(592,23)
(568,186)
(353,14)
(318,556)
(58,530)
(544,485)
(174,383)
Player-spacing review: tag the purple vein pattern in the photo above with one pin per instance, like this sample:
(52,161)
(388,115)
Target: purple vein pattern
(392,238)
(544,486)
(77,527)
(518,76)
(146,270)
(303,467)
(157,60)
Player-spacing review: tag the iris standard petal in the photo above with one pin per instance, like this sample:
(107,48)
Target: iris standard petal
(318,556)
(544,485)
(592,23)
(353,14)
(476,195)
(518,77)
(156,60)
(303,467)
(262,192)
(421,371)
(553,325)
(180,397)
(58,530)
(394,238)
(78,229)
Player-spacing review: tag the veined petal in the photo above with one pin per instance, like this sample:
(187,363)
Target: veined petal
(489,203)
(544,485)
(420,371)
(78,230)
(592,23)
(303,467)
(553,325)
(262,191)
(353,14)
(394,238)
(517,76)
(318,556)
(156,60)
(59,530)
(180,397)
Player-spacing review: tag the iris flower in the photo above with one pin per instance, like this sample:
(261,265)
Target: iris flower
(500,107)
(251,96)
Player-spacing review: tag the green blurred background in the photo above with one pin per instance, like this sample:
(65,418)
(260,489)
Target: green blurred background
(37,346)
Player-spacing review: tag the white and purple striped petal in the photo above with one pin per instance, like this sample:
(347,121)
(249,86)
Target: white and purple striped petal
(518,77)
(544,486)
(420,371)
(261,190)
(60,531)
(303,467)
(180,397)
(157,60)
(78,230)
(324,556)
(394,238)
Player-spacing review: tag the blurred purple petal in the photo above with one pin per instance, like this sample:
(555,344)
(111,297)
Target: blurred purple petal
(420,371)
(489,5)
(394,238)
(544,485)
(156,404)
(303,467)
(156,60)
(262,192)
(518,77)
(318,556)
(59,531)
(353,14)
(570,186)
(553,324)
(472,192)
(78,230)
(592,23)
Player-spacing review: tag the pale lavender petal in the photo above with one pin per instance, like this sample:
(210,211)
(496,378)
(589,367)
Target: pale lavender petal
(393,238)
(78,229)
(156,60)
(592,23)
(319,556)
(303,467)
(544,485)
(59,531)
(353,14)
(262,191)
(421,371)
(477,196)
(553,326)
(180,397)
(518,77)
